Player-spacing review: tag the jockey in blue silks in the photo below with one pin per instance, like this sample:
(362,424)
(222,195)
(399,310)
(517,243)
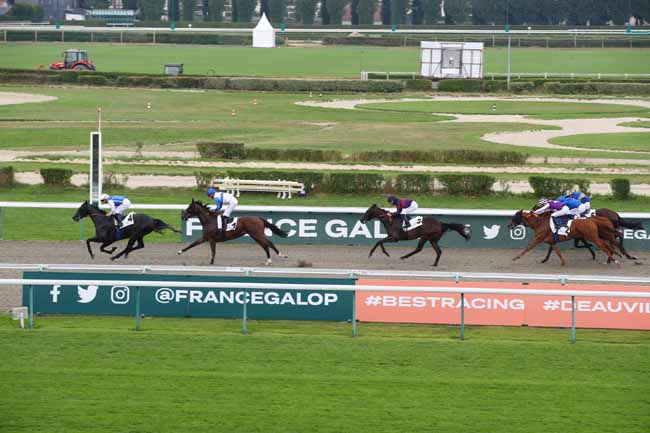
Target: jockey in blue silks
(572,204)
(584,199)
(118,205)
(223,198)
(404,207)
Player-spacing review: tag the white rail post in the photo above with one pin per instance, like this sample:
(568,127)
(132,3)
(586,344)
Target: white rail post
(573,319)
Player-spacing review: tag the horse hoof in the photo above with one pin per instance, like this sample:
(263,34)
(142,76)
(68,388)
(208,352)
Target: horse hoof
(178,253)
(284,256)
(268,263)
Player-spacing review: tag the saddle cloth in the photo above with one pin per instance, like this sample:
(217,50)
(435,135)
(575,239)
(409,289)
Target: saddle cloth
(562,230)
(128,220)
(230,226)
(415,223)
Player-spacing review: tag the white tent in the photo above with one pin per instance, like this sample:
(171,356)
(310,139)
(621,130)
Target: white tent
(263,34)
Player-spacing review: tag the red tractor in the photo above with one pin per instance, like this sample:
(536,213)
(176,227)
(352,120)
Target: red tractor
(74,59)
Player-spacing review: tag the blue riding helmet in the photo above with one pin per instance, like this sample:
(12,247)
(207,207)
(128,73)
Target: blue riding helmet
(211,191)
(391,199)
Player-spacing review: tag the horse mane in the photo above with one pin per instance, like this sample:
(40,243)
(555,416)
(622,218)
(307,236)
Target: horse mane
(97,208)
(203,205)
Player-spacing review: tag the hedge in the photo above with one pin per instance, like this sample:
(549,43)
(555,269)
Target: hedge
(56,176)
(620,188)
(462,156)
(470,185)
(198,82)
(7,176)
(413,183)
(209,150)
(552,187)
(597,88)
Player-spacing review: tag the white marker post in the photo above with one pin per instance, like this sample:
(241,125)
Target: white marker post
(96,169)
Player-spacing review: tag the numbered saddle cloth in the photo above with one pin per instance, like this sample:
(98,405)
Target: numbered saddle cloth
(564,228)
(230,226)
(128,220)
(415,222)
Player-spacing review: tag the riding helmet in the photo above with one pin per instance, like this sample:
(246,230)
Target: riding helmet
(211,191)
(104,197)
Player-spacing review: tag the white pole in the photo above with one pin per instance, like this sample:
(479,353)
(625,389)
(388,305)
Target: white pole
(99,119)
(508,79)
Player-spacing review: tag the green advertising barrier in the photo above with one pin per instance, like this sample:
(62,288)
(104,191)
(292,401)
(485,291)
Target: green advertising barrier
(71,298)
(324,228)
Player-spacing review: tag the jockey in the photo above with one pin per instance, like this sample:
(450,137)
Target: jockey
(559,209)
(220,198)
(404,207)
(572,204)
(584,199)
(118,205)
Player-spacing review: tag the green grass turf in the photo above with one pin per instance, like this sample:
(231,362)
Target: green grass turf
(328,61)
(638,124)
(639,141)
(95,374)
(534,109)
(274,122)
(26,224)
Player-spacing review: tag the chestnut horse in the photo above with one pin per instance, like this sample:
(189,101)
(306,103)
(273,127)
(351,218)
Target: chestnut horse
(246,225)
(618,222)
(431,230)
(597,230)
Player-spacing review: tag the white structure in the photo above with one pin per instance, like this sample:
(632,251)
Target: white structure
(263,34)
(451,59)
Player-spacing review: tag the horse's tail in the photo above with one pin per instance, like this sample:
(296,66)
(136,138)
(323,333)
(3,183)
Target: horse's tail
(160,225)
(634,225)
(462,229)
(275,229)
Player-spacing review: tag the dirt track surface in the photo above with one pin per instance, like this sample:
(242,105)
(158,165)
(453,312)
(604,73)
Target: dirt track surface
(329,257)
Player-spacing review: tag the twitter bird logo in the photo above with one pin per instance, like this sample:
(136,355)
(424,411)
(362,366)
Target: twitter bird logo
(86,295)
(491,232)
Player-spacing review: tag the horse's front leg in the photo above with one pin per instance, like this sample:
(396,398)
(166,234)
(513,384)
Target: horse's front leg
(192,245)
(90,251)
(530,246)
(103,246)
(213,244)
(125,251)
(548,254)
(557,251)
(380,243)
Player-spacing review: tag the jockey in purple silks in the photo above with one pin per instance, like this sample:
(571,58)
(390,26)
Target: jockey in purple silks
(404,207)
(559,209)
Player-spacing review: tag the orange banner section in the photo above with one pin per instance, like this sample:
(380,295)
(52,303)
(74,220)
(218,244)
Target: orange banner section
(512,310)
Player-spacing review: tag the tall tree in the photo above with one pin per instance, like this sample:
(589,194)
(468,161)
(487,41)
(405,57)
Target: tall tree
(398,11)
(245,9)
(417,14)
(385,12)
(324,13)
(456,11)
(306,10)
(354,11)
(366,11)
(277,10)
(430,11)
(215,10)
(335,10)
(152,10)
(188,7)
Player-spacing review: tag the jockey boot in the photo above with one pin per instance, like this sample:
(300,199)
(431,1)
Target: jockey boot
(406,222)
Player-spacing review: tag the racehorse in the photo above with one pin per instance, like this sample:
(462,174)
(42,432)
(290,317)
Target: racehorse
(106,233)
(431,230)
(246,225)
(618,222)
(597,230)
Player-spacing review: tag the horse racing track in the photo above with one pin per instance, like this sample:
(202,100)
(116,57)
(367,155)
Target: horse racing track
(95,374)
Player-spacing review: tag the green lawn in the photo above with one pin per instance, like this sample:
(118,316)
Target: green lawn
(639,141)
(534,109)
(328,61)
(95,374)
(178,119)
(26,224)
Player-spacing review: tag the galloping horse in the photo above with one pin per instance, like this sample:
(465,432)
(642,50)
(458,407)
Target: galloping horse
(618,222)
(106,233)
(431,230)
(598,230)
(246,225)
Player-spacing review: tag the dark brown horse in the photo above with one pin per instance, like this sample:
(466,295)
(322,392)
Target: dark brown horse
(431,230)
(598,230)
(618,222)
(106,233)
(246,225)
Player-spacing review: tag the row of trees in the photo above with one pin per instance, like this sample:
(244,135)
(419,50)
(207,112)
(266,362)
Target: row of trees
(482,12)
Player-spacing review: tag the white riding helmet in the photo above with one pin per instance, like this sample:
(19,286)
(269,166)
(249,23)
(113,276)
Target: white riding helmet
(104,197)
(542,201)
